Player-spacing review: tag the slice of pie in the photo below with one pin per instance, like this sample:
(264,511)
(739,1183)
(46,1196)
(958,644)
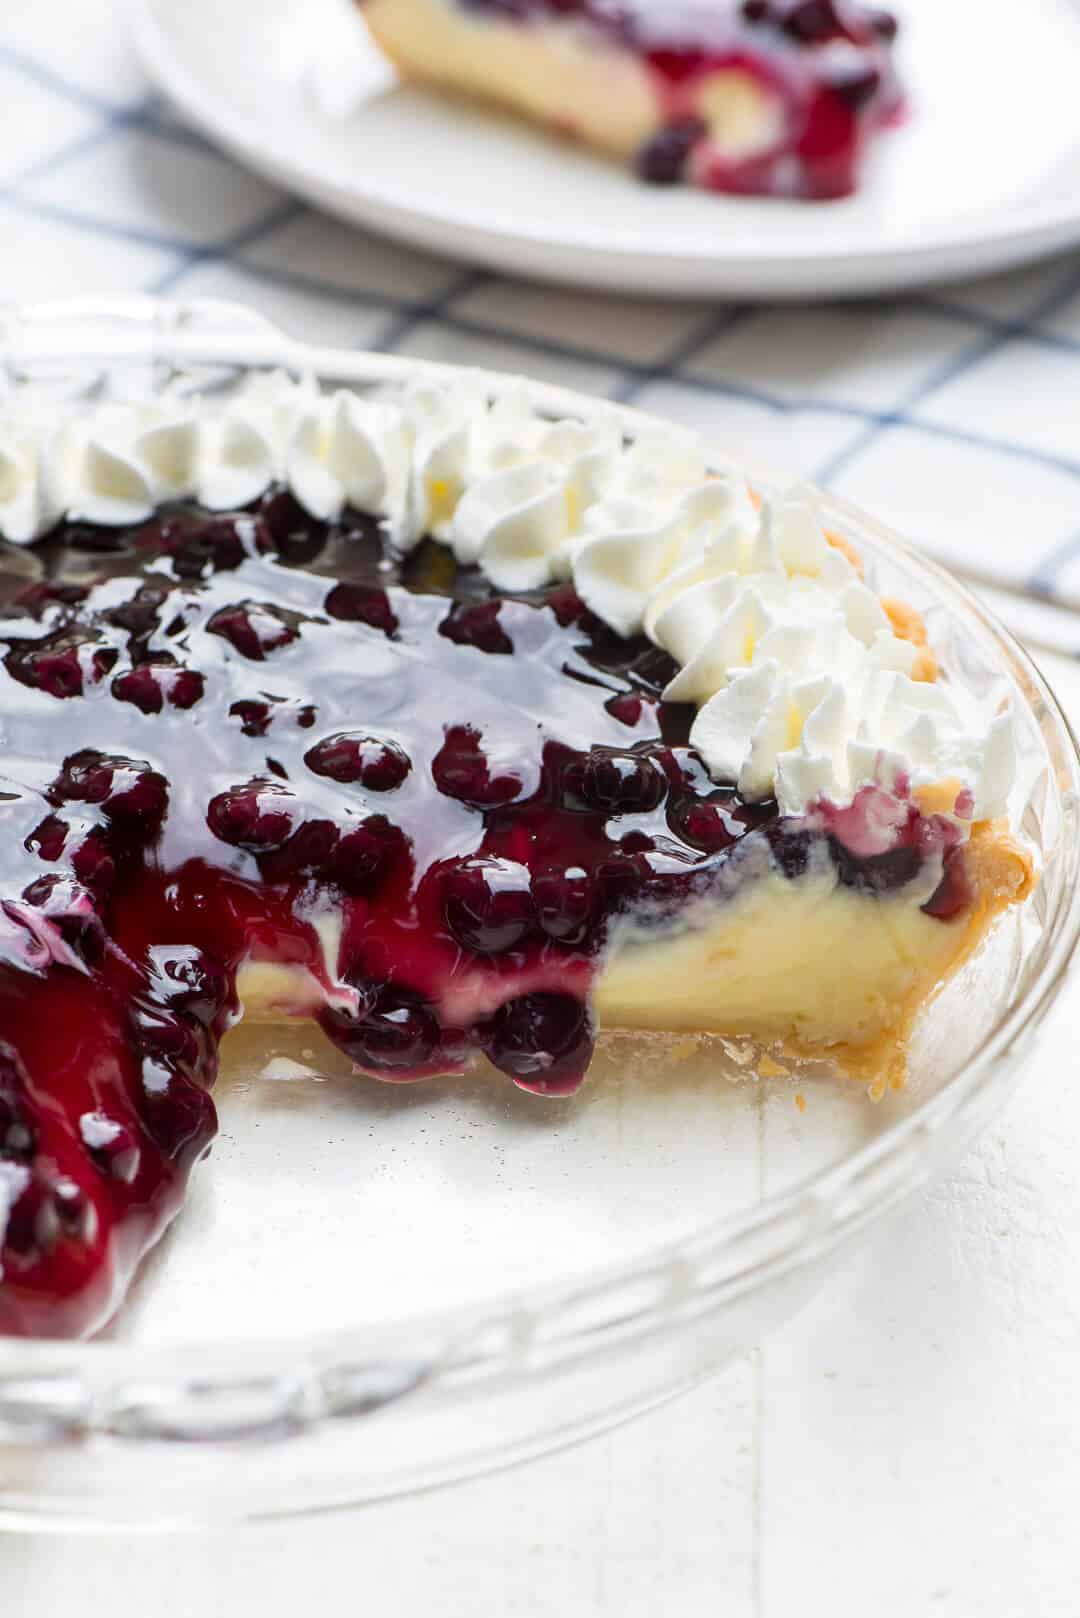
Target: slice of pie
(469,734)
(755,97)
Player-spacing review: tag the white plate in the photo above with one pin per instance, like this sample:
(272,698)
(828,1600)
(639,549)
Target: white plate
(986,173)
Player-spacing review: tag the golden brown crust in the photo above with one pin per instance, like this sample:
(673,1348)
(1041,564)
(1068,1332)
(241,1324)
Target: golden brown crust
(938,797)
(1000,869)
(846,548)
(1001,873)
(908,625)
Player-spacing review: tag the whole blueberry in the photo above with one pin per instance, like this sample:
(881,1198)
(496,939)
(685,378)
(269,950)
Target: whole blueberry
(663,158)
(543,1041)
(489,904)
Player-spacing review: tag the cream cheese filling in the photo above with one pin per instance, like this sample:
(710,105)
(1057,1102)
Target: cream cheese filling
(558,74)
(806,964)
(802,960)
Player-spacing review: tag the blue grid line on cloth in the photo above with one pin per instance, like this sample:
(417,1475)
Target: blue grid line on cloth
(137,235)
(146,114)
(147,110)
(116,119)
(1012,330)
(275,217)
(981,348)
(40,73)
(706,331)
(1043,578)
(410,315)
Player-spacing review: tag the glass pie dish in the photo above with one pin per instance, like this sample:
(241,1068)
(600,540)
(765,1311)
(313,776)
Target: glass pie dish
(375,1288)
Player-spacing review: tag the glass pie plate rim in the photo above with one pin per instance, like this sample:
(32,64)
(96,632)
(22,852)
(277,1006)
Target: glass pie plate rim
(56,1392)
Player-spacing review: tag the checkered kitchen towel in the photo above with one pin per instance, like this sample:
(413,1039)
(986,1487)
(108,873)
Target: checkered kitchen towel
(953,414)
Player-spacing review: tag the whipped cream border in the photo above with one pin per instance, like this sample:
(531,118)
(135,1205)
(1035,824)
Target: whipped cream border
(803,688)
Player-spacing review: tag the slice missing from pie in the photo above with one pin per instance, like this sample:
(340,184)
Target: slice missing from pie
(468,733)
(753,97)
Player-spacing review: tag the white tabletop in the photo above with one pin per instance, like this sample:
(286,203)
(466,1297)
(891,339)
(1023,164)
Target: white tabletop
(910,1445)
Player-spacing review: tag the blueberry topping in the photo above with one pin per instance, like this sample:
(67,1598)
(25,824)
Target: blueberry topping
(33,1226)
(705,825)
(92,862)
(151,686)
(622,783)
(253,629)
(478,626)
(188,979)
(259,817)
(885,25)
(365,854)
(74,1210)
(399,1033)
(565,903)
(857,85)
(812,21)
(18,1137)
(178,1114)
(790,849)
(218,544)
(952,896)
(543,1041)
(489,904)
(47,839)
(876,873)
(361,604)
(461,770)
(132,795)
(110,1146)
(663,158)
(370,761)
(73,911)
(297,537)
(62,669)
(310,851)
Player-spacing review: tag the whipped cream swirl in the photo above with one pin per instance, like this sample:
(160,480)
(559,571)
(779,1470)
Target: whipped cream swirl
(804,688)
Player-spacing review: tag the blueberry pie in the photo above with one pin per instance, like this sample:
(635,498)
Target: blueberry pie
(470,734)
(755,97)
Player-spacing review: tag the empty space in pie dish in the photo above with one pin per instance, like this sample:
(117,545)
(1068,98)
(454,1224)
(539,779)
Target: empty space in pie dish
(343,1224)
(332,1200)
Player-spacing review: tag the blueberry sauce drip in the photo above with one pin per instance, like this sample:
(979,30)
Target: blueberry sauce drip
(826,64)
(255,720)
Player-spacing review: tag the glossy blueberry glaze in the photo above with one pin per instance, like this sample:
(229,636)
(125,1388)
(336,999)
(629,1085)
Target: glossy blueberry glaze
(219,730)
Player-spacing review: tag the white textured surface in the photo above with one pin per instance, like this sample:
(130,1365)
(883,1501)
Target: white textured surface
(911,1445)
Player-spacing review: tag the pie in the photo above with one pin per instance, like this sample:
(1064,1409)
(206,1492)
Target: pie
(755,97)
(470,734)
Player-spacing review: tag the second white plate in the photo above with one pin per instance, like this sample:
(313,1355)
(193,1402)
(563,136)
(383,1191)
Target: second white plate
(986,174)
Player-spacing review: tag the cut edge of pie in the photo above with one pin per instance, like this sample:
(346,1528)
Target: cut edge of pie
(882,971)
(771,97)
